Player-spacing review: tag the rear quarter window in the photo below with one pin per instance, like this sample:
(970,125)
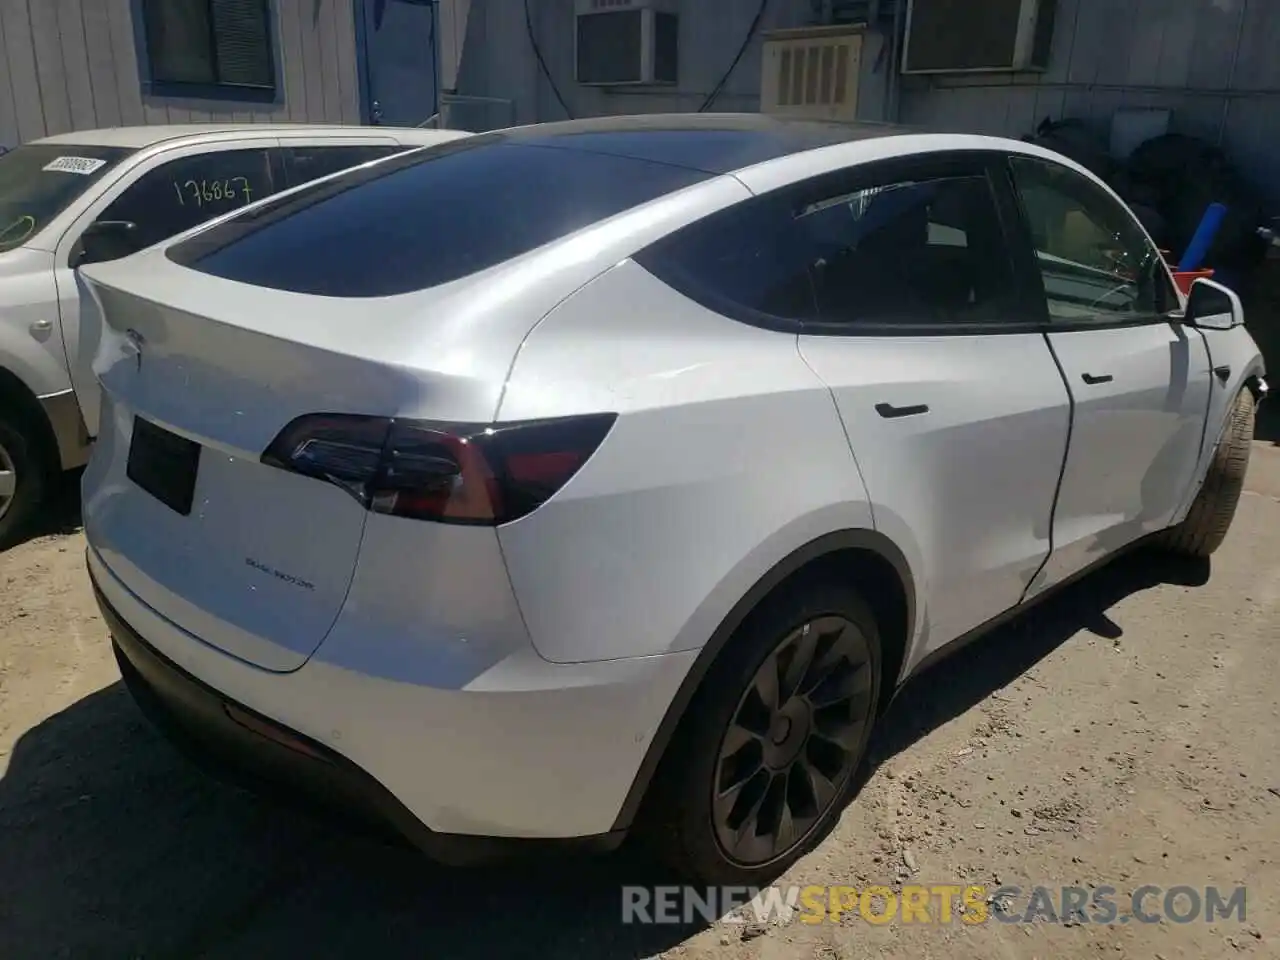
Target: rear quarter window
(751,262)
(315,161)
(425,219)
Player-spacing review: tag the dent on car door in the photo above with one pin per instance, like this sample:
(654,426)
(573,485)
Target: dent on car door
(1139,382)
(161,201)
(40,182)
(951,400)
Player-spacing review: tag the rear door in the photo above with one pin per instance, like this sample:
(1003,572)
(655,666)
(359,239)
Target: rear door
(164,195)
(932,345)
(1139,382)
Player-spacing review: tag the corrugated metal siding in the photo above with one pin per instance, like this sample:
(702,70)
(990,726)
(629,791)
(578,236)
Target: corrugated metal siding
(73,64)
(1213,62)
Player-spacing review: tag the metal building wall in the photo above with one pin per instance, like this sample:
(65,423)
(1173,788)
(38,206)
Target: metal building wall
(74,64)
(498,58)
(1215,63)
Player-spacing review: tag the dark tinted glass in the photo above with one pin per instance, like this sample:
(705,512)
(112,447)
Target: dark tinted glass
(1095,261)
(313,162)
(186,192)
(923,252)
(39,180)
(911,253)
(751,261)
(425,219)
(719,143)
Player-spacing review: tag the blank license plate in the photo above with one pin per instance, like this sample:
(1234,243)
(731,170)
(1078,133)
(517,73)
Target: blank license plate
(164,464)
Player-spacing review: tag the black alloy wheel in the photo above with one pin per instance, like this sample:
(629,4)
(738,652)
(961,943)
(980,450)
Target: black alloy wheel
(763,761)
(793,741)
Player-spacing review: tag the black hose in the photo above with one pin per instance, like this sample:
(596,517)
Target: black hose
(542,63)
(751,35)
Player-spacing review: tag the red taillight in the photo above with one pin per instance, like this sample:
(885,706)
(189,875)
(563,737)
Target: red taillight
(448,472)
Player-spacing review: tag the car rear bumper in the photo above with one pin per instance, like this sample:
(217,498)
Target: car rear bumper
(542,756)
(237,745)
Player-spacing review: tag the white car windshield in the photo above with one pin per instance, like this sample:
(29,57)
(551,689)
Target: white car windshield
(39,180)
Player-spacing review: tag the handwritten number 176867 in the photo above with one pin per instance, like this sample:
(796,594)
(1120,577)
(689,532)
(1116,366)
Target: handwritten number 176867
(202,193)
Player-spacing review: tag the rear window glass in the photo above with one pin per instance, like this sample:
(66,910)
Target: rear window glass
(425,218)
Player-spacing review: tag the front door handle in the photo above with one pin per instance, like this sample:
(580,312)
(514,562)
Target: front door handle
(890,412)
(1090,379)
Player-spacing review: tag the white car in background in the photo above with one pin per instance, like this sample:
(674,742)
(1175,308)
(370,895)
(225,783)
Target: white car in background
(92,195)
(628,494)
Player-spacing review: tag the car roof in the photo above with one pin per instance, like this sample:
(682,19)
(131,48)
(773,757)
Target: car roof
(713,143)
(138,138)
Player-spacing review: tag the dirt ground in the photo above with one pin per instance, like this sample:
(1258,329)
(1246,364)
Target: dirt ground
(1126,733)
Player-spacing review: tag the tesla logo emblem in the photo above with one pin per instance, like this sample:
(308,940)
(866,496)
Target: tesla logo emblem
(135,340)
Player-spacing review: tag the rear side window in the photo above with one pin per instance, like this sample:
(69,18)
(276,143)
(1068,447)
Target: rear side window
(752,261)
(313,162)
(186,192)
(925,252)
(425,219)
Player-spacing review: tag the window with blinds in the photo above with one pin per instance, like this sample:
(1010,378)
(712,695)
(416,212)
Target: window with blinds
(224,43)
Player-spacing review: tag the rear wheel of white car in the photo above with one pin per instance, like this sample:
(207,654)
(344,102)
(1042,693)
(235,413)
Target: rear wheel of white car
(1210,516)
(764,759)
(21,482)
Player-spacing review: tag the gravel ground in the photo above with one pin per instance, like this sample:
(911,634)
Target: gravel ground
(1124,734)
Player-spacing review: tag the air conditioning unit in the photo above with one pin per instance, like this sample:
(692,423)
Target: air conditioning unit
(964,36)
(811,73)
(626,42)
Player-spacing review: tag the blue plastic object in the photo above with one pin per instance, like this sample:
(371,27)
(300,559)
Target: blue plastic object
(1202,239)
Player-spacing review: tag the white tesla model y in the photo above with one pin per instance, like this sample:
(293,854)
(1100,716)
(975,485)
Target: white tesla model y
(580,477)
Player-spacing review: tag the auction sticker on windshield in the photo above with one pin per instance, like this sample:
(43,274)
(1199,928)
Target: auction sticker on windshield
(81,165)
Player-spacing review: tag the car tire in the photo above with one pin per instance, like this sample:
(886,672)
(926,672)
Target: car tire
(21,473)
(770,757)
(1211,513)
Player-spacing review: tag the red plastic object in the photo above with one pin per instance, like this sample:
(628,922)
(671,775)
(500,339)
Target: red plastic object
(1184,279)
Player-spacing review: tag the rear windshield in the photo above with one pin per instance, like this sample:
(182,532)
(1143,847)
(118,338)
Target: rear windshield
(39,180)
(425,218)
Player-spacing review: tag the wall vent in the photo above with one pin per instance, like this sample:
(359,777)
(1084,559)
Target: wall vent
(812,72)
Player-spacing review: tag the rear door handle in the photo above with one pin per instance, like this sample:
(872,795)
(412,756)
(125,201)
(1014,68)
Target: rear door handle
(890,412)
(1090,379)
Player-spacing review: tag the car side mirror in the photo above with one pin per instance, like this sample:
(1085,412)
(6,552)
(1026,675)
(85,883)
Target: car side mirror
(105,240)
(1211,306)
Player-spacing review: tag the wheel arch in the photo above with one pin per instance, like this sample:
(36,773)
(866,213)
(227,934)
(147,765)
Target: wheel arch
(16,395)
(1256,381)
(866,557)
